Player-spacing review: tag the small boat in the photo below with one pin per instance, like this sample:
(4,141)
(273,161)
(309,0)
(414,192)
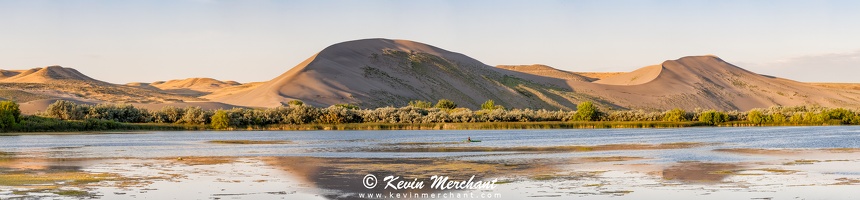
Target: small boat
(471,140)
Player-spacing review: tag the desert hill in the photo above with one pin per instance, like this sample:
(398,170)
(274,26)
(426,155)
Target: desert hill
(37,88)
(45,75)
(191,86)
(382,72)
(547,71)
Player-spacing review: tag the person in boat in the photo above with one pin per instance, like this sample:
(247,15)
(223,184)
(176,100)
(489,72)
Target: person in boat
(468,139)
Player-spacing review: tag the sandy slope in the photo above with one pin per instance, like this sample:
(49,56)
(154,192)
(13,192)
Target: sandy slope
(232,89)
(196,84)
(546,71)
(640,76)
(711,83)
(190,86)
(381,72)
(46,75)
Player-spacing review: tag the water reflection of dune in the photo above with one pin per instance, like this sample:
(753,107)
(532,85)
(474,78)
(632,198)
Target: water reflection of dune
(699,171)
(345,175)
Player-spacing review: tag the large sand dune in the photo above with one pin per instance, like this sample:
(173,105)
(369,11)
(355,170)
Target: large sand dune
(381,72)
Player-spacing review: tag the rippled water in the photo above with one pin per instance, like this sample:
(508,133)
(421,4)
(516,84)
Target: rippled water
(355,143)
(317,164)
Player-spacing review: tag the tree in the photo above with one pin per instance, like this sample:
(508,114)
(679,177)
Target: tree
(585,111)
(10,114)
(420,104)
(675,115)
(295,102)
(713,117)
(220,120)
(755,116)
(446,104)
(778,118)
(489,105)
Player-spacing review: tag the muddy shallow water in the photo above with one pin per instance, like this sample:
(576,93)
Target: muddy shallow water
(688,163)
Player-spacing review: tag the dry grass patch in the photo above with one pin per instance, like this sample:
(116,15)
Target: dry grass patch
(801,162)
(204,160)
(74,178)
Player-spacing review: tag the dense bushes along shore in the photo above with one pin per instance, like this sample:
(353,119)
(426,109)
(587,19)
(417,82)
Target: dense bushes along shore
(70,116)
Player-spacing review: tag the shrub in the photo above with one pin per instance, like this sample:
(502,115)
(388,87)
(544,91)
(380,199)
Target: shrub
(445,104)
(10,114)
(713,117)
(586,111)
(778,118)
(295,102)
(756,117)
(488,105)
(220,120)
(675,115)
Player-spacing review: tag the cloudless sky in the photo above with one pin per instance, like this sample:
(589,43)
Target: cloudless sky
(150,40)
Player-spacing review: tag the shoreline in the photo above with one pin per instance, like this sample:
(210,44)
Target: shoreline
(148,127)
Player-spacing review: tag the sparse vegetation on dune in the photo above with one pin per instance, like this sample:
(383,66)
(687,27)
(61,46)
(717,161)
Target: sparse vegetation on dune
(68,116)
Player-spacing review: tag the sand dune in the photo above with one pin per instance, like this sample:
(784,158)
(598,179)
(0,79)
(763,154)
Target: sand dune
(191,86)
(232,90)
(546,71)
(640,76)
(8,73)
(381,72)
(598,75)
(196,84)
(48,74)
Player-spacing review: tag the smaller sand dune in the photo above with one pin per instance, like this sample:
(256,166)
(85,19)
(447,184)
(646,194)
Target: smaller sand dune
(594,76)
(640,76)
(233,90)
(189,87)
(545,71)
(196,84)
(8,73)
(47,74)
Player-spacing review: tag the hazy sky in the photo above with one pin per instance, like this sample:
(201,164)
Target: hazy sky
(149,40)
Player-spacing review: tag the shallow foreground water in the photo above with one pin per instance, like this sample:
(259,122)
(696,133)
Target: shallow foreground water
(685,163)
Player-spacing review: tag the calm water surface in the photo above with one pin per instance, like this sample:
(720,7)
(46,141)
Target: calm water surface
(356,143)
(331,164)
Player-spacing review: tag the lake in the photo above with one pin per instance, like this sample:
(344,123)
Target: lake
(690,163)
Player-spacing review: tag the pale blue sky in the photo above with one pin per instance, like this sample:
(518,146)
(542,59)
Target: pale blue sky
(126,41)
